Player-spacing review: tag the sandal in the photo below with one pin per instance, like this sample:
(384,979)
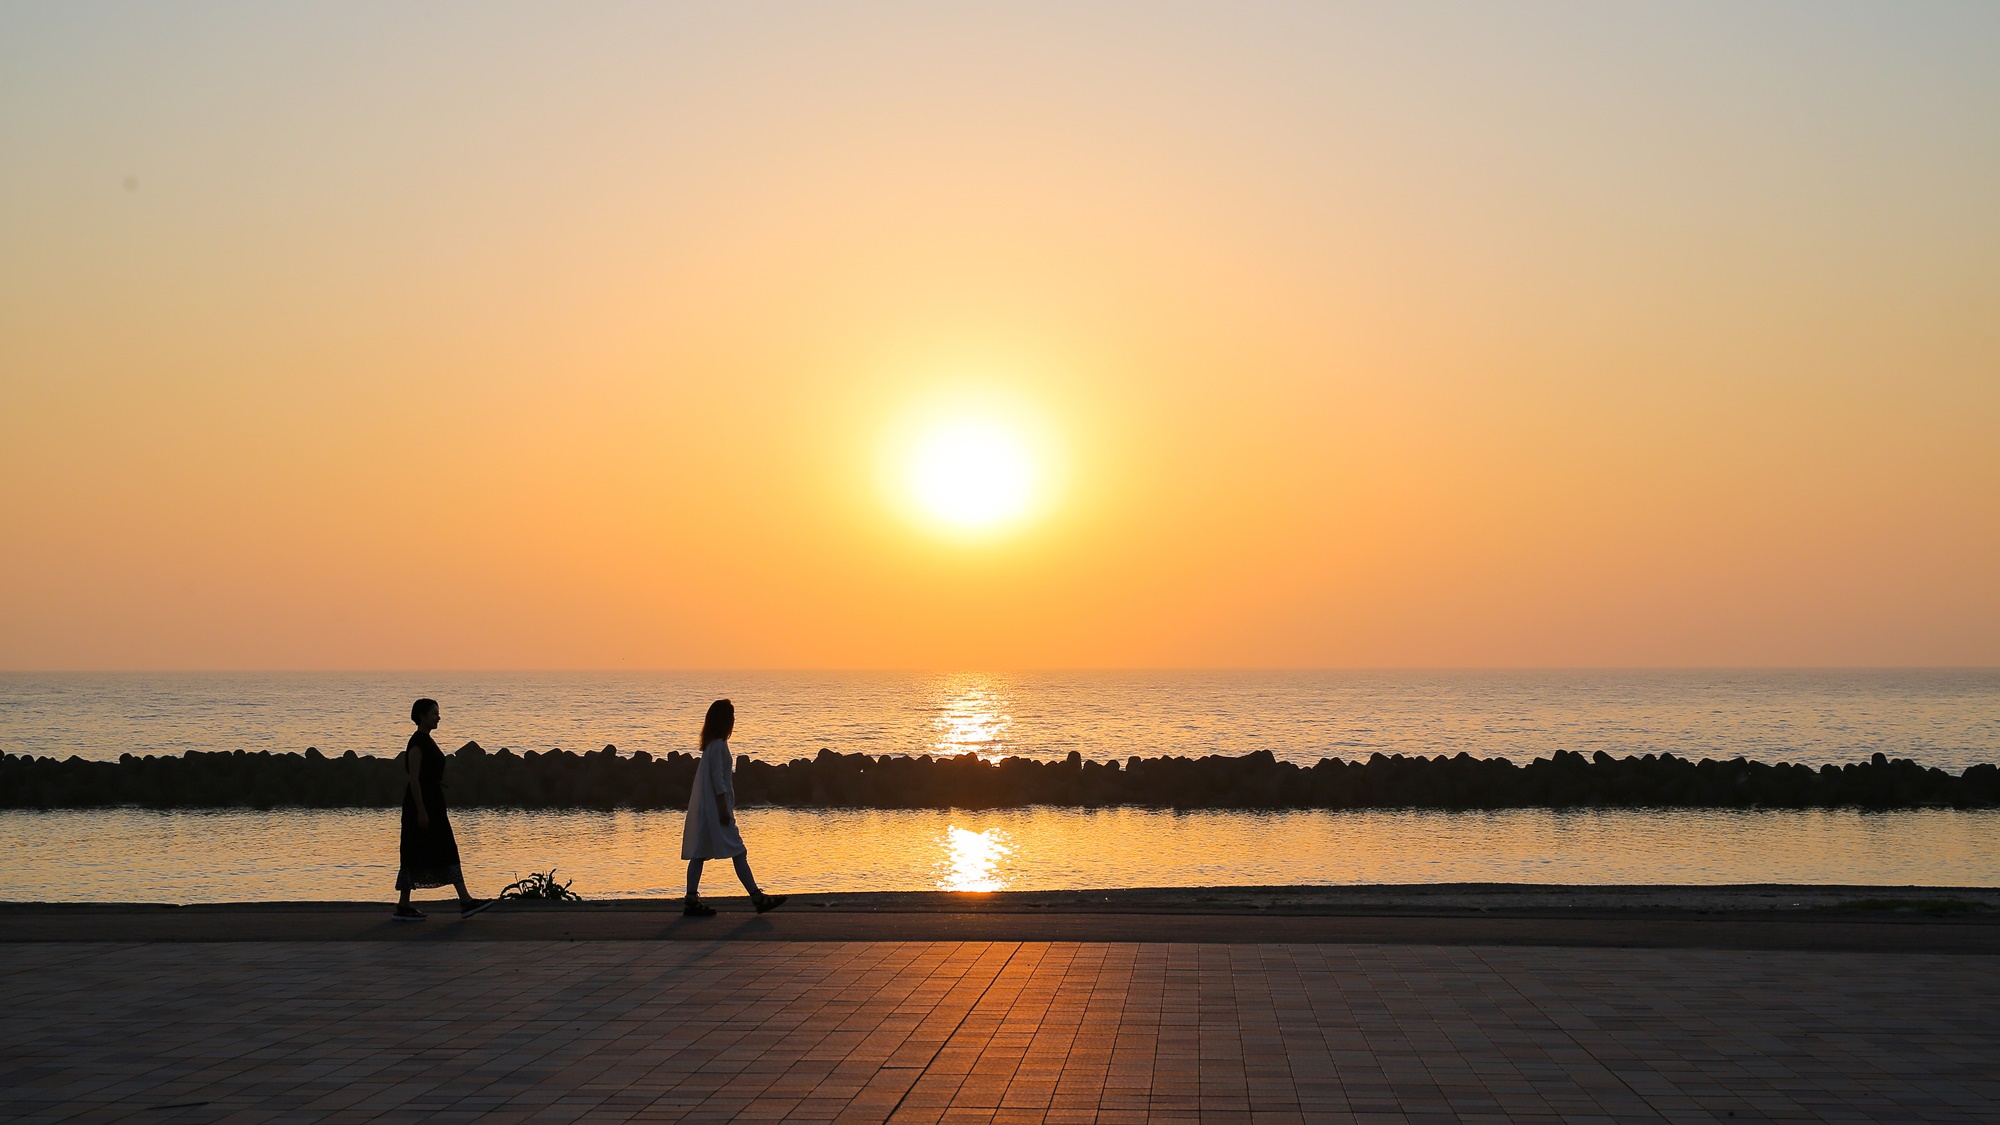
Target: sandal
(764,902)
(407,914)
(695,908)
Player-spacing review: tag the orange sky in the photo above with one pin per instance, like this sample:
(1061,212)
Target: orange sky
(482,336)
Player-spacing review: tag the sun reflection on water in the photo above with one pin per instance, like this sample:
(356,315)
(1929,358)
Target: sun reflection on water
(973,861)
(971,716)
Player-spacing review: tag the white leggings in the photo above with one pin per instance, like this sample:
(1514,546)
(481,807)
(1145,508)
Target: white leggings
(742,863)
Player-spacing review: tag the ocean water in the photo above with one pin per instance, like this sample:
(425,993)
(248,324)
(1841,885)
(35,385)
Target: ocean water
(137,855)
(1945,718)
(1949,719)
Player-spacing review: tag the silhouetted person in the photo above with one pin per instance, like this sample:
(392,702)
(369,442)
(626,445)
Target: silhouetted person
(429,850)
(711,821)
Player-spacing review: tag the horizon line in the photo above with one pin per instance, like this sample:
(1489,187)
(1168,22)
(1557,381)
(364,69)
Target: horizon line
(1037,670)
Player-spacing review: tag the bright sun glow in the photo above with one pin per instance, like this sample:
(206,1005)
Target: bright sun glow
(972,474)
(974,861)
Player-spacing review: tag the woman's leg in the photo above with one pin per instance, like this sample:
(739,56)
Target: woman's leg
(743,872)
(694,878)
(403,888)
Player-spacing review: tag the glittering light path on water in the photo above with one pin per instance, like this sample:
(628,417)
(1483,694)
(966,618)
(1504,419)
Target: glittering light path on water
(975,861)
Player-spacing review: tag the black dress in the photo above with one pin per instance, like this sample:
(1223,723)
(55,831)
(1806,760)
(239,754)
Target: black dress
(429,855)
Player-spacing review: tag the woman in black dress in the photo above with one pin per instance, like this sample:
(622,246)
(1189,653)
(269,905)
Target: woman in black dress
(429,851)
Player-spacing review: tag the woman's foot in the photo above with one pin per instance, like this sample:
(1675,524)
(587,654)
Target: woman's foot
(467,907)
(764,902)
(695,908)
(408,914)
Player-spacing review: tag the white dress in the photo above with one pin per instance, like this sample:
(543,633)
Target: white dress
(705,836)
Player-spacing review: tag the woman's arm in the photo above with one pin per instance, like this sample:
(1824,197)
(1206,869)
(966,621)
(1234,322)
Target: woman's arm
(415,757)
(720,765)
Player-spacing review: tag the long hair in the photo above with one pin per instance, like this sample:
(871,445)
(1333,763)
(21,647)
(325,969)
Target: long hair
(720,720)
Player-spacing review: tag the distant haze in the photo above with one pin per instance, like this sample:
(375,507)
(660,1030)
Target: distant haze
(510,336)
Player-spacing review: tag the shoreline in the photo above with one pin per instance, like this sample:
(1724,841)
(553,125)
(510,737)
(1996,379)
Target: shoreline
(1905,919)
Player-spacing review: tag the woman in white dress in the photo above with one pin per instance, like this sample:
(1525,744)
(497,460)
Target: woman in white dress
(711,820)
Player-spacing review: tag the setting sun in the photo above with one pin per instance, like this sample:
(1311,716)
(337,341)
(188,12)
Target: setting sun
(972,474)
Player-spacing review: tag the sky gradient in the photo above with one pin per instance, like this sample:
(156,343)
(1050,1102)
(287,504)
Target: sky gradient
(495,336)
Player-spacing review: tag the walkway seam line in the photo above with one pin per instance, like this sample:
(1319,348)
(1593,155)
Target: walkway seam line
(969,1009)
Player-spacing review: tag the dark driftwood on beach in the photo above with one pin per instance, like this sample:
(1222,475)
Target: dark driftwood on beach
(605,779)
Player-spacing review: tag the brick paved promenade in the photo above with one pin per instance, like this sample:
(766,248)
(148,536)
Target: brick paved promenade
(978,1031)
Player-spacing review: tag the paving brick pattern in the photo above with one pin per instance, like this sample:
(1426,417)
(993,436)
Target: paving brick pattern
(612,1031)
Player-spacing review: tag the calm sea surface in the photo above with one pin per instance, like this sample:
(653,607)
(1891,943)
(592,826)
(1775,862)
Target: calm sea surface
(1942,718)
(134,855)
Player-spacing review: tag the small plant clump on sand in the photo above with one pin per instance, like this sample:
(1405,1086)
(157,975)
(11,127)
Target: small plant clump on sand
(541,886)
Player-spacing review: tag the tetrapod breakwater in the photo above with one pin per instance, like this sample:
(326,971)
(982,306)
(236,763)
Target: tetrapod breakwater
(607,779)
